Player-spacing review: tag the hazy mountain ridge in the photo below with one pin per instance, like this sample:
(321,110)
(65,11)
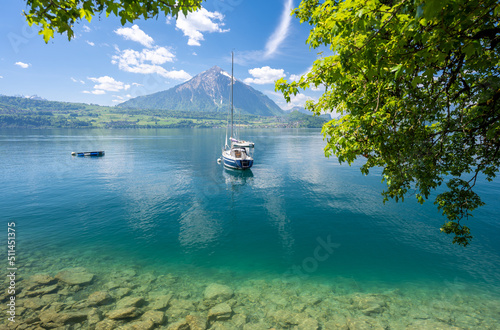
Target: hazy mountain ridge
(304,111)
(208,91)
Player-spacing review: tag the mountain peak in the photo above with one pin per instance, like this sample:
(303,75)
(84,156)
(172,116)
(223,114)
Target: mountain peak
(215,68)
(208,91)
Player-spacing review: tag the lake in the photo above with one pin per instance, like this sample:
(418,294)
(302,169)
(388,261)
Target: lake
(297,241)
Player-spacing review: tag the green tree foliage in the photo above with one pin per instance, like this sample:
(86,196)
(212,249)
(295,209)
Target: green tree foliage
(61,15)
(417,87)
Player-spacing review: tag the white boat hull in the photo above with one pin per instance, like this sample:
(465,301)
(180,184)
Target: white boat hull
(237,159)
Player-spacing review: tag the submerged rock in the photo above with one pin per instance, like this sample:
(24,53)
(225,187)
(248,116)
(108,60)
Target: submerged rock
(75,276)
(112,285)
(33,303)
(221,326)
(167,279)
(239,320)
(128,273)
(43,279)
(156,317)
(196,322)
(42,291)
(256,326)
(130,302)
(335,324)
(99,298)
(179,325)
(160,302)
(138,325)
(284,318)
(369,304)
(123,313)
(53,319)
(365,324)
(120,293)
(220,312)
(94,316)
(430,324)
(217,293)
(179,308)
(106,324)
(308,324)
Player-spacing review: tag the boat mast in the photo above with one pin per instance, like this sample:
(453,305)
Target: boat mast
(232,64)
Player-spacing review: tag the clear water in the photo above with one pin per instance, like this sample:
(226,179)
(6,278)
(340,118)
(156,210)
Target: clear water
(159,203)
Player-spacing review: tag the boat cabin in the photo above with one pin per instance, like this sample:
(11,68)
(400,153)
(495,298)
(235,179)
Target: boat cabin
(238,152)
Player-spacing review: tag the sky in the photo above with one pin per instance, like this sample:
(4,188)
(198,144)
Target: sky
(107,63)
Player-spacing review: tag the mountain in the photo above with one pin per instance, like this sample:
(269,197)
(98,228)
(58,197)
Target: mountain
(299,109)
(306,112)
(208,91)
(17,104)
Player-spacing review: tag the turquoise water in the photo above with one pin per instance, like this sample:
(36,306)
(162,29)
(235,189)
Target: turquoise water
(159,203)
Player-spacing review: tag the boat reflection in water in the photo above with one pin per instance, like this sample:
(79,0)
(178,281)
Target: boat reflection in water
(237,178)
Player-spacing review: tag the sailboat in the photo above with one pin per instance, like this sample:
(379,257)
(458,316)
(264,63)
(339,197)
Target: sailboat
(236,154)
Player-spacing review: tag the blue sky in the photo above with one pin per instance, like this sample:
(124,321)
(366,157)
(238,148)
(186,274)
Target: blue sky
(107,63)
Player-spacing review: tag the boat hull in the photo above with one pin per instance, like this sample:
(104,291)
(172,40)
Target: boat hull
(236,163)
(88,154)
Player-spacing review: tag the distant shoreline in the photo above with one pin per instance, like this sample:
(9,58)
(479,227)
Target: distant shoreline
(16,112)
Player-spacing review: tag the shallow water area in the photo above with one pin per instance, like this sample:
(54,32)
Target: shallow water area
(156,234)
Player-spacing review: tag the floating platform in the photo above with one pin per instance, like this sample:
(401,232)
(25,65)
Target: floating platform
(88,154)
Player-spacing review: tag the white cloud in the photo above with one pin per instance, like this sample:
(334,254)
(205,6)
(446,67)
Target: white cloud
(295,100)
(75,80)
(274,42)
(200,21)
(90,43)
(95,92)
(120,98)
(298,100)
(279,35)
(130,57)
(264,75)
(148,62)
(107,84)
(86,28)
(23,65)
(176,74)
(136,34)
(296,77)
(1,77)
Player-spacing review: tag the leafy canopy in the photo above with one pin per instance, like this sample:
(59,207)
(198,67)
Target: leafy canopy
(61,15)
(417,87)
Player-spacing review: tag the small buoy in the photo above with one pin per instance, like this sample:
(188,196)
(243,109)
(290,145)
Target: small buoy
(219,160)
(73,153)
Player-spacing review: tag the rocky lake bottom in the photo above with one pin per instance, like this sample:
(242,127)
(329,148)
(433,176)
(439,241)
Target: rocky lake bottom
(66,292)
